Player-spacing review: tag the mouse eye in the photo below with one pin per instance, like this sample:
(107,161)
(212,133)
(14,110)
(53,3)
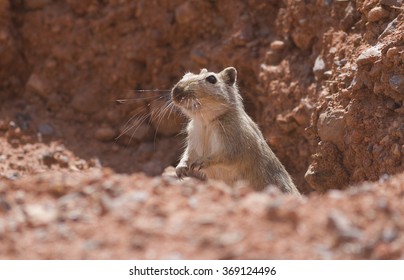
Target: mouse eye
(211,79)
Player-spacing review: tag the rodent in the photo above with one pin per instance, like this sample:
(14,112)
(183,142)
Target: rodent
(223,142)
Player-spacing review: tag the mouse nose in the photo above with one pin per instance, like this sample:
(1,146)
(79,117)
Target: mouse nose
(178,93)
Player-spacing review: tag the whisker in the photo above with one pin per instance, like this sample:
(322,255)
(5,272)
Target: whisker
(125,100)
(136,124)
(171,105)
(144,113)
(160,117)
(162,110)
(128,126)
(136,127)
(121,101)
(151,90)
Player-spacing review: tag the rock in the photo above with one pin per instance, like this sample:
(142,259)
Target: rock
(392,3)
(36,4)
(369,55)
(272,58)
(4,125)
(62,159)
(40,215)
(350,17)
(397,83)
(199,57)
(319,68)
(37,85)
(343,226)
(301,39)
(255,203)
(192,202)
(4,205)
(185,13)
(389,234)
(2,228)
(138,196)
(278,46)
(4,36)
(105,133)
(326,170)
(20,197)
(45,129)
(389,29)
(286,122)
(243,36)
(153,168)
(23,120)
(392,52)
(376,14)
(331,127)
(86,101)
(272,71)
(48,159)
(91,245)
(301,113)
(395,150)
(229,238)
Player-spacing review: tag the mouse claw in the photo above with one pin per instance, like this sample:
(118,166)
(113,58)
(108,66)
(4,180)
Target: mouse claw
(197,165)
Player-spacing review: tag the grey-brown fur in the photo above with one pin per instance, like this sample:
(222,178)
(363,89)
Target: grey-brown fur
(223,142)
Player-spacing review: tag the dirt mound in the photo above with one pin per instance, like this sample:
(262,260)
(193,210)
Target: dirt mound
(337,81)
(98,214)
(323,79)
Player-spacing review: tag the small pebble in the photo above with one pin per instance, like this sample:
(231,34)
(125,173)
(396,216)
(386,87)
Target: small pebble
(45,129)
(138,196)
(40,215)
(369,55)
(343,226)
(2,228)
(397,83)
(3,158)
(391,52)
(91,245)
(392,3)
(20,197)
(4,205)
(376,14)
(230,238)
(105,134)
(37,85)
(389,234)
(319,68)
(277,45)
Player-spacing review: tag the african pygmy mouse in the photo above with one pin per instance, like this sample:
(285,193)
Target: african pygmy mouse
(223,142)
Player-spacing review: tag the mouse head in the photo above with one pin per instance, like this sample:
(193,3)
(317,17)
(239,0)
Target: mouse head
(207,94)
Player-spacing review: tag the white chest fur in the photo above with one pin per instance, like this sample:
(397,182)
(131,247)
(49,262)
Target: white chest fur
(204,139)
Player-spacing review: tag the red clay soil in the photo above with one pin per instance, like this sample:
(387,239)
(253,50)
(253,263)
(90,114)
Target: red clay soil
(323,79)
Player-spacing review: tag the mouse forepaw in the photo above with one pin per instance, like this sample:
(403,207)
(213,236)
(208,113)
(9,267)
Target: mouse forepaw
(182,171)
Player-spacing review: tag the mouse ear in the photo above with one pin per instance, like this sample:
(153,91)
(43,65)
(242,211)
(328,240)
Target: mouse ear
(203,71)
(229,75)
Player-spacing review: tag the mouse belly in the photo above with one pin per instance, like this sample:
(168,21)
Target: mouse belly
(226,174)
